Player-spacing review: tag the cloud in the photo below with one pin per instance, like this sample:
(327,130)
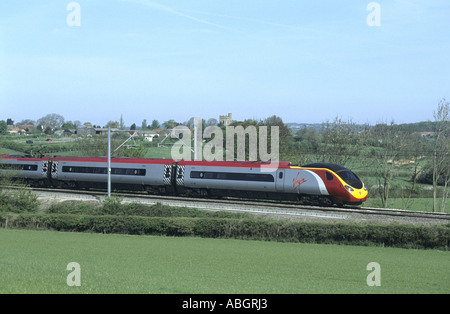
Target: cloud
(250,20)
(172,11)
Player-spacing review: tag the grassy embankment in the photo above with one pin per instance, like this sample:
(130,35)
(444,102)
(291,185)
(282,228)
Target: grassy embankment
(36,261)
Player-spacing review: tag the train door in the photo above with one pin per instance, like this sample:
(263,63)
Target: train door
(279,180)
(49,169)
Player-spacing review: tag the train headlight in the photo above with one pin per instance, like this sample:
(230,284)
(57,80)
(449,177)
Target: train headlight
(365,189)
(349,188)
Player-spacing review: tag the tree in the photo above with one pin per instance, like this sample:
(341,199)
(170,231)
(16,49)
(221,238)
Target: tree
(155,125)
(51,120)
(49,130)
(3,127)
(384,158)
(144,124)
(414,148)
(308,146)
(9,121)
(441,151)
(112,124)
(252,140)
(211,122)
(121,123)
(68,125)
(285,138)
(170,124)
(133,126)
(341,142)
(26,122)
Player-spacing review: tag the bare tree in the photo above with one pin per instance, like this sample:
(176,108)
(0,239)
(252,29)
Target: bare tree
(414,147)
(391,142)
(341,142)
(446,174)
(441,151)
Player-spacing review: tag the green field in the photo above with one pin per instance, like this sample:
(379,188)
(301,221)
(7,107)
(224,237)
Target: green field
(36,261)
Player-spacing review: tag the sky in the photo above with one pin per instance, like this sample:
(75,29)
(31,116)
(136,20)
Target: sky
(304,61)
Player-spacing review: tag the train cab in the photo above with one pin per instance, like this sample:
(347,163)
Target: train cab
(341,183)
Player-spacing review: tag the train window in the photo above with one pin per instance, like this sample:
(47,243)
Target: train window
(128,171)
(104,170)
(280,175)
(233,176)
(329,176)
(20,167)
(351,179)
(97,170)
(223,175)
(196,174)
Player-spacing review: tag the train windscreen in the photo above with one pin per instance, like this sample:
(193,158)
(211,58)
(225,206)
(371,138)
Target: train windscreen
(350,178)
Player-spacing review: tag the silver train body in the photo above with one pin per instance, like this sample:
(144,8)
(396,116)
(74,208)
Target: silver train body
(194,178)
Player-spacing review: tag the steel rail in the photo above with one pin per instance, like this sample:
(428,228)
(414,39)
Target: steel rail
(256,206)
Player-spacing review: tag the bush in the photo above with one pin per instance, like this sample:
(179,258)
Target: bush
(18,201)
(114,206)
(406,236)
(72,207)
(112,216)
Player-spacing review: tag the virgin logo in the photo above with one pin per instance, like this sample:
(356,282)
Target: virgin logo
(296,182)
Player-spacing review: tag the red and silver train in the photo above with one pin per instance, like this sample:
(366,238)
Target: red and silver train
(315,183)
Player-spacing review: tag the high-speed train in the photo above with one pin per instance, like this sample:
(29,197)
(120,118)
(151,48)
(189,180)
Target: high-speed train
(314,183)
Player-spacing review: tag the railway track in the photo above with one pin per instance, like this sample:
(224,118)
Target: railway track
(274,210)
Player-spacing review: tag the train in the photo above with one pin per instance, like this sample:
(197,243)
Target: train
(314,183)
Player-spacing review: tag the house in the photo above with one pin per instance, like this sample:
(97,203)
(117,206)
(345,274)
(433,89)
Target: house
(85,131)
(148,135)
(94,131)
(425,134)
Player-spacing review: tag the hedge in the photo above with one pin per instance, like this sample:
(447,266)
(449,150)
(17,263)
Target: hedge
(405,236)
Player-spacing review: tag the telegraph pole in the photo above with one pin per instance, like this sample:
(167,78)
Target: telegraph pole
(109,162)
(198,139)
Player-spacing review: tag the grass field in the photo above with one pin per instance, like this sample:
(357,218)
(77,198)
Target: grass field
(36,261)
(417,204)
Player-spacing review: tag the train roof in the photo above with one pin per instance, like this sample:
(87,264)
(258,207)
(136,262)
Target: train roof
(20,157)
(248,164)
(90,159)
(133,160)
(326,165)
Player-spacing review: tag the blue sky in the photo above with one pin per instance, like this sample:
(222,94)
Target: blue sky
(305,61)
